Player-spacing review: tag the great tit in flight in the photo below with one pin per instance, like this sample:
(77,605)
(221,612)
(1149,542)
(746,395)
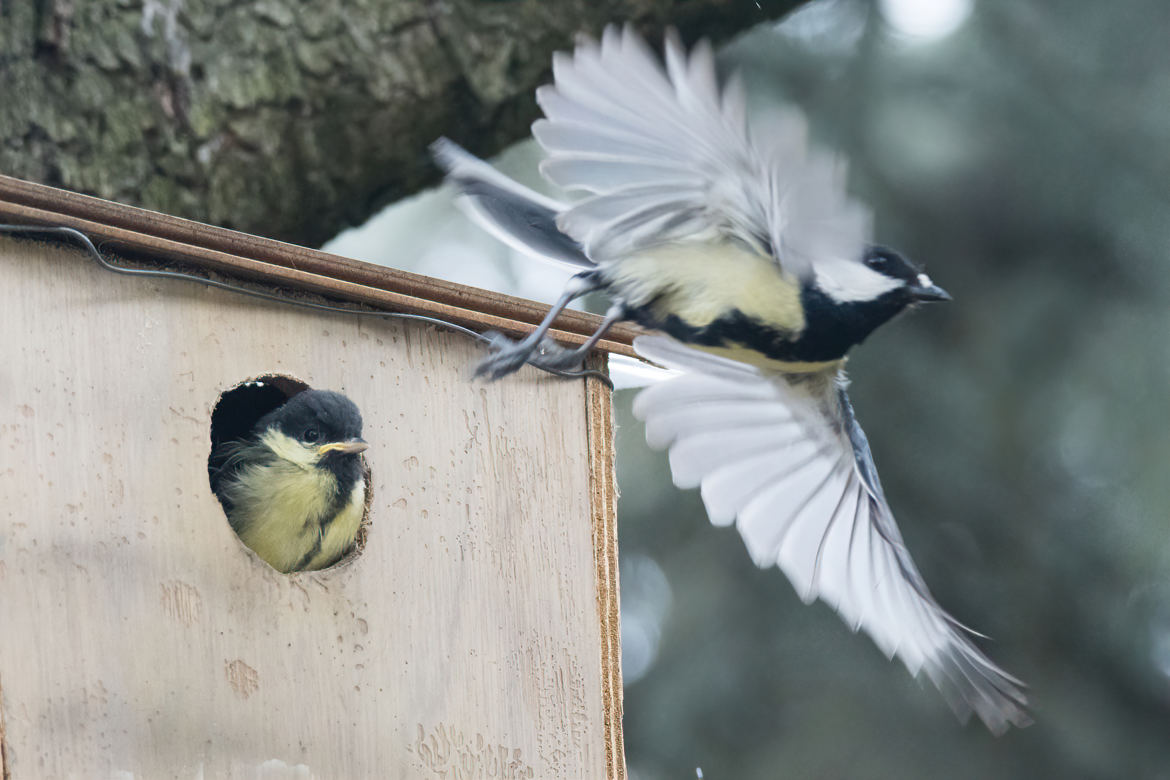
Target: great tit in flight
(294,488)
(736,240)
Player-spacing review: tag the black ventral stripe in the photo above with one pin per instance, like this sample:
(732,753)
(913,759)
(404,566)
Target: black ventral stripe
(831,328)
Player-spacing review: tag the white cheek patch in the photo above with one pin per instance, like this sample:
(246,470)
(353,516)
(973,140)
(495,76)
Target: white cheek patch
(849,282)
(924,281)
(289,449)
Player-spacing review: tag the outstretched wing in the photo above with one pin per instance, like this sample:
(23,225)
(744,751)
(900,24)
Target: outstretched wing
(670,154)
(783,458)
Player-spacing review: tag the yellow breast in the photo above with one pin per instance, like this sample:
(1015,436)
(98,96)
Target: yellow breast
(699,282)
(339,536)
(279,508)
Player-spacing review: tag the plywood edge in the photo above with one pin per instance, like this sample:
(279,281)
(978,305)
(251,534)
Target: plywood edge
(154,236)
(4,773)
(603,504)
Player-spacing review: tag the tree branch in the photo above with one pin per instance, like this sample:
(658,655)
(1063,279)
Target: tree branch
(281,119)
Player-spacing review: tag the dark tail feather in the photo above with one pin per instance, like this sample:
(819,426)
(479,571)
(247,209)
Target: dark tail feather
(523,219)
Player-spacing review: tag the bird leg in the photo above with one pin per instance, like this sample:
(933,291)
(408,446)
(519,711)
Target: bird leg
(508,355)
(552,355)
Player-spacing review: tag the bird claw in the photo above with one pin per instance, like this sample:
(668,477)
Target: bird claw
(553,357)
(508,356)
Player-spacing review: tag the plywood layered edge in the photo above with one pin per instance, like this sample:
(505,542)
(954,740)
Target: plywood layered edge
(603,499)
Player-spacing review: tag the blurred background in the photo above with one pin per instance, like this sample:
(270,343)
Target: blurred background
(1022,152)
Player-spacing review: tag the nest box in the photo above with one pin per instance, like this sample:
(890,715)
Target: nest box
(475,633)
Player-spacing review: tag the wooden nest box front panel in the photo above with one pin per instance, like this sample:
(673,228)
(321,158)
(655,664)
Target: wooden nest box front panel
(473,636)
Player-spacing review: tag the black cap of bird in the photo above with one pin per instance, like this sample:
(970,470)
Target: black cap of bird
(294,488)
(736,240)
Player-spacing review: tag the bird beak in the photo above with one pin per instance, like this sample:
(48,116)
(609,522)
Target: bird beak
(926,290)
(351,447)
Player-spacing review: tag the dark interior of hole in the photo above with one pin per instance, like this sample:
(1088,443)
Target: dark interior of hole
(238,411)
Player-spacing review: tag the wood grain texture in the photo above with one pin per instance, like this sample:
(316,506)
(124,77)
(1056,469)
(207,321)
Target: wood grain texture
(141,637)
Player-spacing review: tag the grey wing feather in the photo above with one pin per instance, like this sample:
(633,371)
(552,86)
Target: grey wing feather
(520,217)
(783,458)
(667,154)
(968,679)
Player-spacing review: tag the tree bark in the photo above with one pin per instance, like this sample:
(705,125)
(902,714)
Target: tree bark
(289,120)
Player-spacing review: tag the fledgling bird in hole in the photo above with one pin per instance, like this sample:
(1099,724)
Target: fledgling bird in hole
(294,488)
(732,237)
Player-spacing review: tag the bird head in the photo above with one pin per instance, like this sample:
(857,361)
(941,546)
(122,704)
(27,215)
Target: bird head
(315,429)
(910,284)
(845,301)
(883,276)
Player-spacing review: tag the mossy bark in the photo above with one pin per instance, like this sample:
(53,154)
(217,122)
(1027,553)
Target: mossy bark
(290,120)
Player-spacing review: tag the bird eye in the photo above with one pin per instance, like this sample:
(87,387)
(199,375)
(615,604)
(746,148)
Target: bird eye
(876,262)
(310,435)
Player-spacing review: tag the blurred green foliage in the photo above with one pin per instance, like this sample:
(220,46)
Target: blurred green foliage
(1025,159)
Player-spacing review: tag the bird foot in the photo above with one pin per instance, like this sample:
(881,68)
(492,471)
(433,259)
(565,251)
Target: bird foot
(552,356)
(508,356)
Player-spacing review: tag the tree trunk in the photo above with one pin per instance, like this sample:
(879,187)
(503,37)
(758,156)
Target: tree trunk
(281,119)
